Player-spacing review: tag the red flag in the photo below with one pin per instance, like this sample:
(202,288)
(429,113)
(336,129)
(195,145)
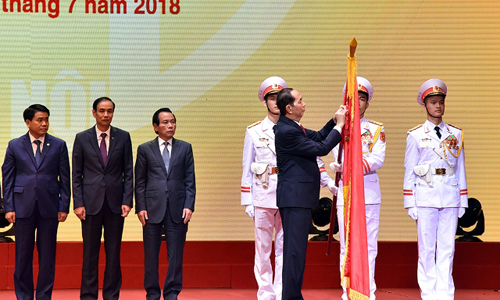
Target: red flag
(355,274)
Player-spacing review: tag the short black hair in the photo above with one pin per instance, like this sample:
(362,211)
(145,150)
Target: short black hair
(101,99)
(30,112)
(364,93)
(441,95)
(156,116)
(425,99)
(271,93)
(285,98)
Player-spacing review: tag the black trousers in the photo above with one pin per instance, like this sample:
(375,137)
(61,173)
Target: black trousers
(176,238)
(296,225)
(92,228)
(46,241)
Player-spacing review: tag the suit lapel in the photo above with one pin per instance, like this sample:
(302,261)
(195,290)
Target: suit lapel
(29,148)
(431,133)
(112,142)
(46,147)
(155,148)
(173,155)
(92,135)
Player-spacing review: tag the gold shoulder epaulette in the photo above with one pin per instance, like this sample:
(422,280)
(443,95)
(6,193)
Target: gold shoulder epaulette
(254,124)
(376,123)
(416,127)
(454,127)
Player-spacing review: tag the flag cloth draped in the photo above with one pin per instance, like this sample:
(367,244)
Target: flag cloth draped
(355,274)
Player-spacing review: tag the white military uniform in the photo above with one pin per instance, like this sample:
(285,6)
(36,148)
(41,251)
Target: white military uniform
(258,188)
(259,155)
(373,144)
(438,191)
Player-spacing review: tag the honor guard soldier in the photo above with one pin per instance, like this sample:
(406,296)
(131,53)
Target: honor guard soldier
(258,191)
(373,144)
(435,191)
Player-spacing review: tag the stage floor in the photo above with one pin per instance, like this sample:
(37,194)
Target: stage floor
(250,294)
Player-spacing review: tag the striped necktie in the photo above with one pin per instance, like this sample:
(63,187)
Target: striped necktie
(166,156)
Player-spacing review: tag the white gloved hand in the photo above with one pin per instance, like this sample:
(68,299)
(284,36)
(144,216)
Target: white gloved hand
(250,210)
(332,187)
(412,212)
(336,167)
(461,211)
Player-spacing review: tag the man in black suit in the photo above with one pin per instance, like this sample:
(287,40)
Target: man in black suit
(164,193)
(299,181)
(102,194)
(36,190)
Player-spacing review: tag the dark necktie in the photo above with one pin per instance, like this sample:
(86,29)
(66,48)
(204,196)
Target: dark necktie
(104,152)
(437,131)
(166,156)
(38,152)
(303,129)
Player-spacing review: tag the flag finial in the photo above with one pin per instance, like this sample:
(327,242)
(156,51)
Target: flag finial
(353,44)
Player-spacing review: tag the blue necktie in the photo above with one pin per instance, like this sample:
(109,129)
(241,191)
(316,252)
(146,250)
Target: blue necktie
(38,152)
(104,152)
(166,156)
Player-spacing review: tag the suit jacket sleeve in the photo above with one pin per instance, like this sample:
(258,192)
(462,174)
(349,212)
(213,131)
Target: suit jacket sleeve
(323,133)
(141,175)
(128,173)
(64,179)
(77,173)
(296,143)
(189,181)
(8,175)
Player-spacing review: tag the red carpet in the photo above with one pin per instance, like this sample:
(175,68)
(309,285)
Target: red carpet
(224,270)
(250,294)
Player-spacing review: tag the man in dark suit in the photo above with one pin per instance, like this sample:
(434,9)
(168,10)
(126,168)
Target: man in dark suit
(36,189)
(164,193)
(102,194)
(299,181)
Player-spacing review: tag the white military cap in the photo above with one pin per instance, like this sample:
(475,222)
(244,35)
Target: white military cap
(363,86)
(271,84)
(431,87)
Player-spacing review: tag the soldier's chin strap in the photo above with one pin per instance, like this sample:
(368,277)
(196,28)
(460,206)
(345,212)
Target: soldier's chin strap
(276,114)
(425,104)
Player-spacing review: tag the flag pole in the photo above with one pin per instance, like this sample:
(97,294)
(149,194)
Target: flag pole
(333,218)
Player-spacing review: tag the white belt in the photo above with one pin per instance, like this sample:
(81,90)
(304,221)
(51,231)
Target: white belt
(442,171)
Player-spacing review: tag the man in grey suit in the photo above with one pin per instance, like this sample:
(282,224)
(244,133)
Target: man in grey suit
(102,194)
(164,193)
